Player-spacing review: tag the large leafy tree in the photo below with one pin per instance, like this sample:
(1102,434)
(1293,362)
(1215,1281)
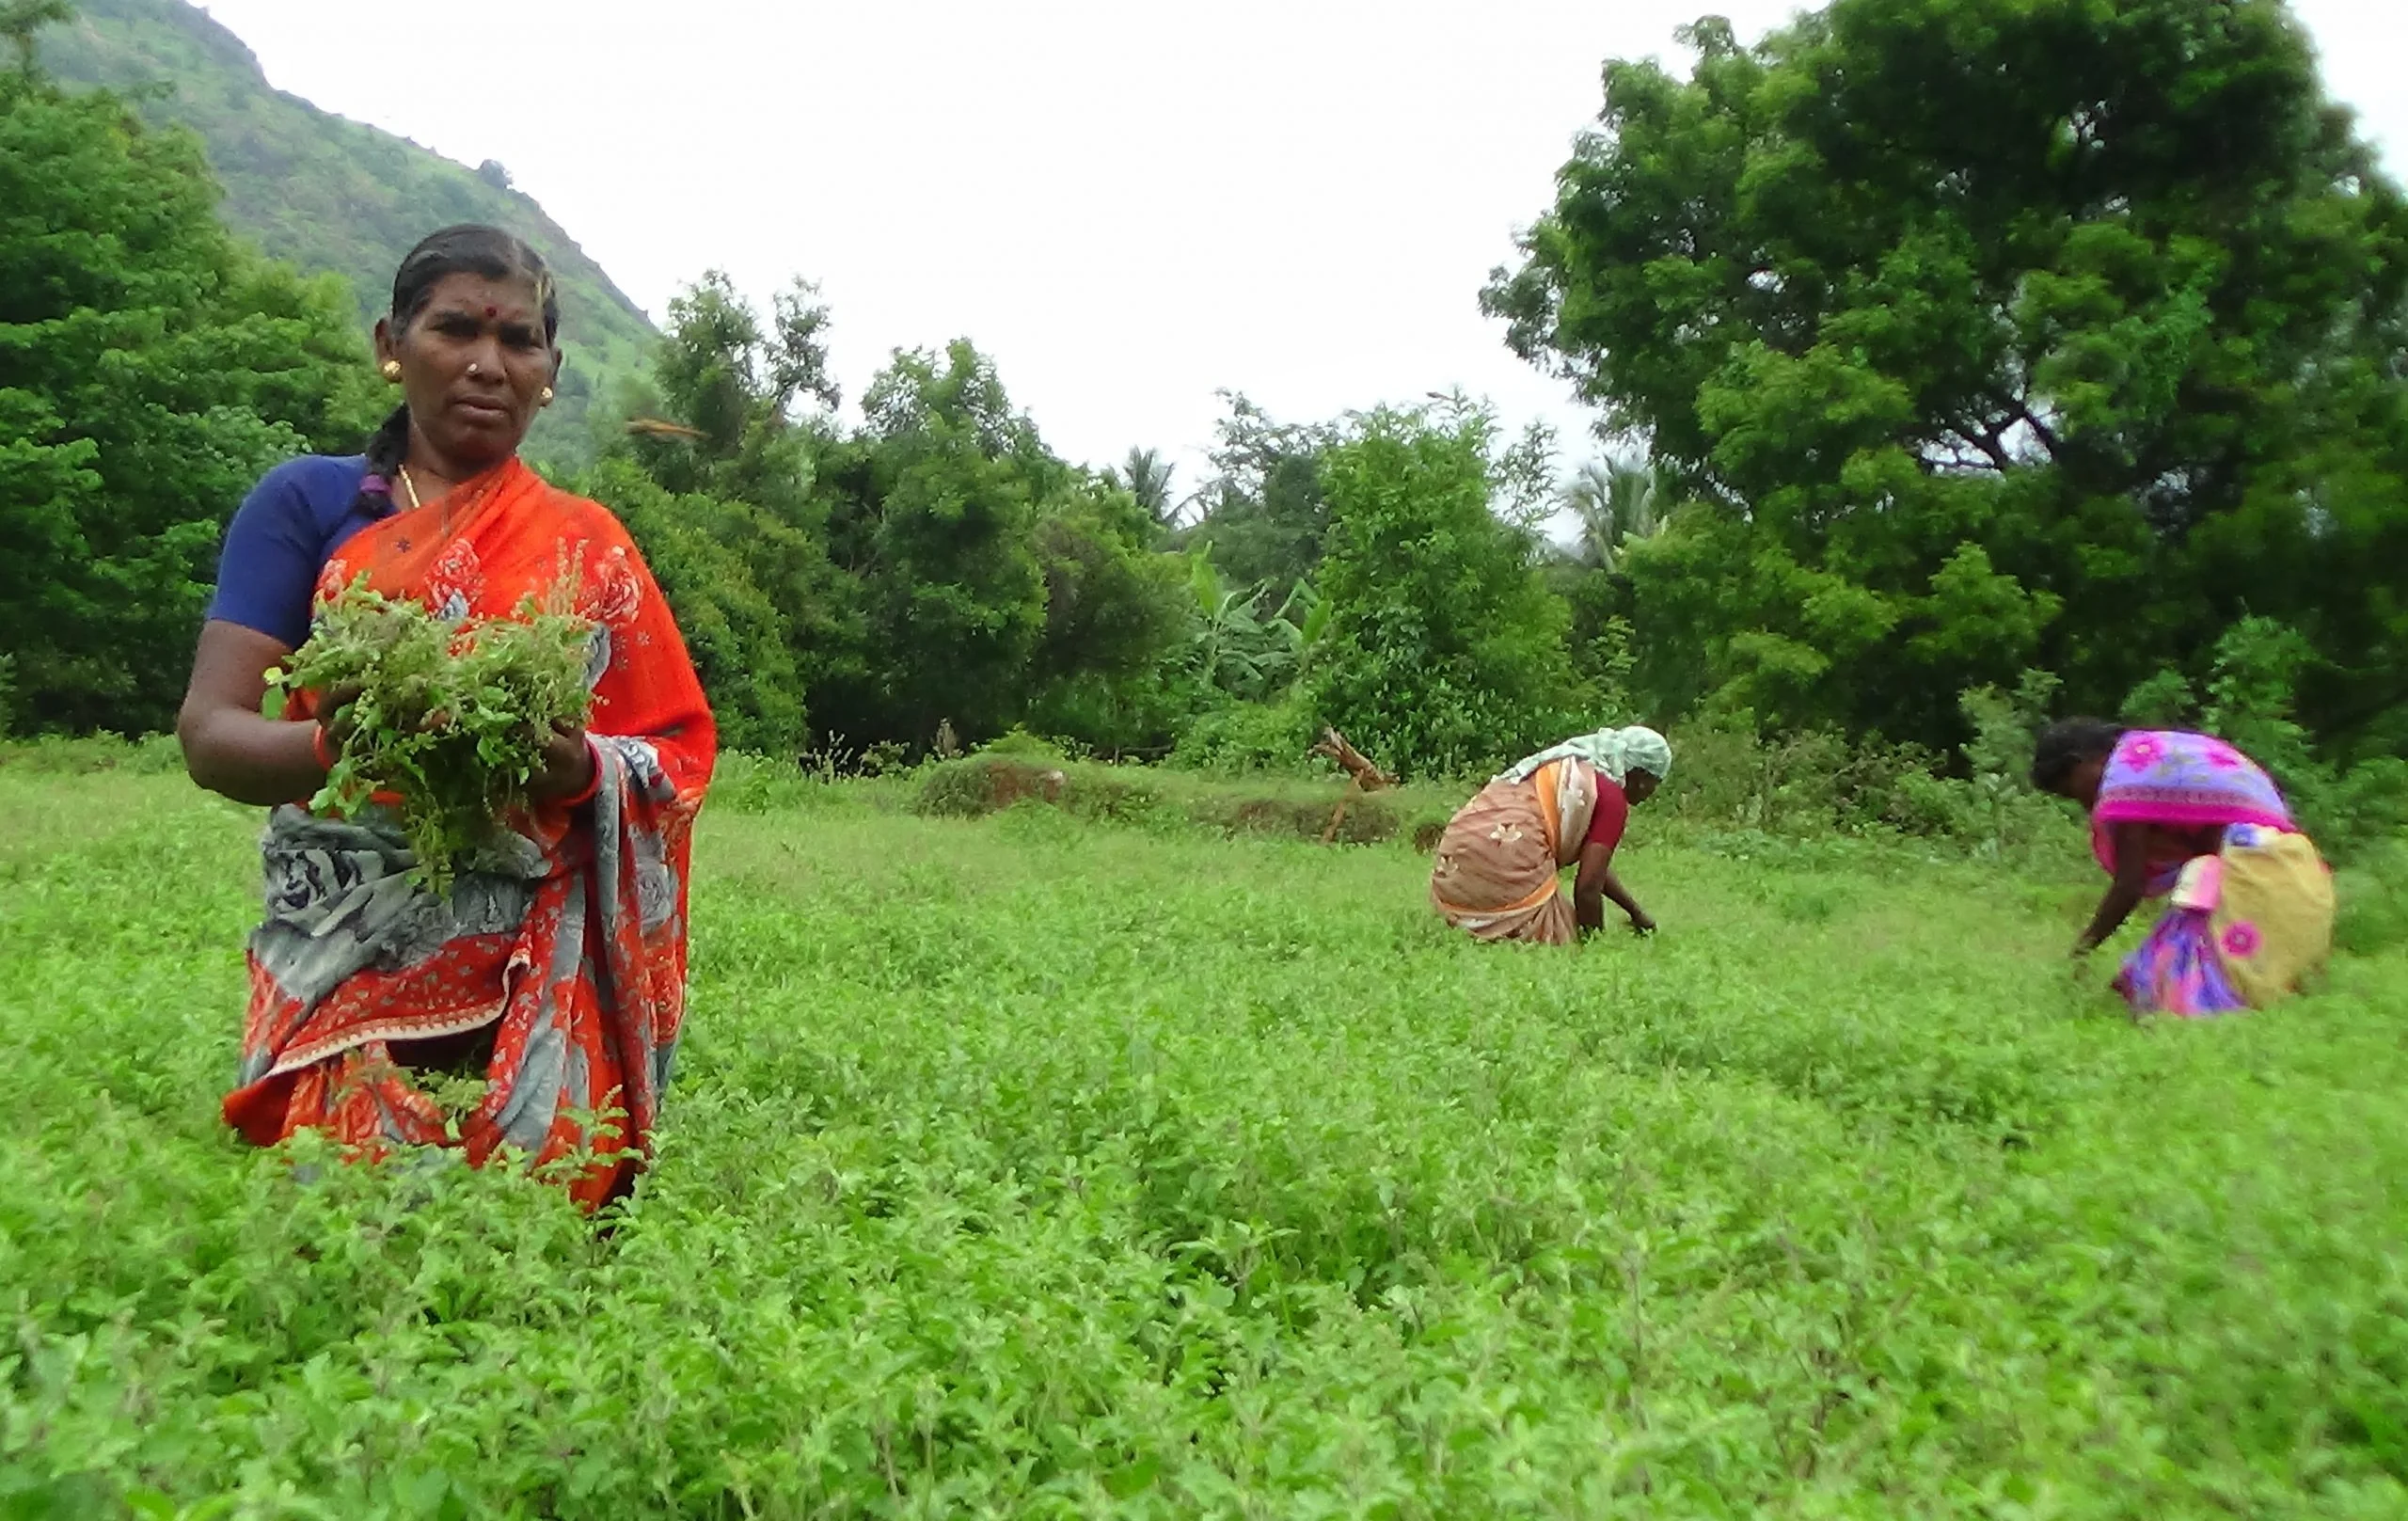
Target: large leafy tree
(1992,332)
(703,550)
(938,563)
(1443,654)
(934,509)
(151,370)
(731,379)
(1116,610)
(725,509)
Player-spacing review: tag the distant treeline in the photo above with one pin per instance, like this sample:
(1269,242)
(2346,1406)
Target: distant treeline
(2071,369)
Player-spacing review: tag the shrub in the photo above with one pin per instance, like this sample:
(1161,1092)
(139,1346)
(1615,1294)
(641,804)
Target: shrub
(1942,807)
(2006,811)
(2164,701)
(745,782)
(1022,745)
(2374,893)
(983,783)
(1367,820)
(1728,775)
(1242,738)
(156,754)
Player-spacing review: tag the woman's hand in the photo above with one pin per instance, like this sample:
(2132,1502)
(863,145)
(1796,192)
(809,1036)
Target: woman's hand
(567,770)
(334,708)
(1596,885)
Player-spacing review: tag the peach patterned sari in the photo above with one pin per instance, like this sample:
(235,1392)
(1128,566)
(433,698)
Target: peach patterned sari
(1496,863)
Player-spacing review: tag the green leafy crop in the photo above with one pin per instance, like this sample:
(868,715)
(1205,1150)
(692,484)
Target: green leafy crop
(452,718)
(1031,1166)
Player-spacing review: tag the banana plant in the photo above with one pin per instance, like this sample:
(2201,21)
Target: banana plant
(1239,647)
(1303,617)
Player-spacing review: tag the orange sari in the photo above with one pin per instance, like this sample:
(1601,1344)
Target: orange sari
(568,937)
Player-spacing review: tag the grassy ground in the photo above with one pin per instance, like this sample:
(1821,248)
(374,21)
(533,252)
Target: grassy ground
(1034,1166)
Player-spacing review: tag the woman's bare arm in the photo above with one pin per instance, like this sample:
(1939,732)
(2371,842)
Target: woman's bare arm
(2125,893)
(1595,883)
(229,748)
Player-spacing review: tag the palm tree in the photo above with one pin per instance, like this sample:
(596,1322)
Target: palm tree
(1615,502)
(1147,475)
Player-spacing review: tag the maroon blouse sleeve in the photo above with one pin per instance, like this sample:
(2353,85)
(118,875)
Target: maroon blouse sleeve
(1613,813)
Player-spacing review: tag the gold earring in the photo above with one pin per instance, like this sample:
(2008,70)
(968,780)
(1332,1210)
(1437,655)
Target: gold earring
(391,369)
(547,397)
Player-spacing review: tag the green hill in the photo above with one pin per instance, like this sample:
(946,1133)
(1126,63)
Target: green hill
(329,193)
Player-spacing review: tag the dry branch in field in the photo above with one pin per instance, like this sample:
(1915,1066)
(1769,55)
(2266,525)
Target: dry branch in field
(1362,773)
(1367,777)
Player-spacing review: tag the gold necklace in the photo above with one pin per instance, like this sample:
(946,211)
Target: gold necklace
(410,486)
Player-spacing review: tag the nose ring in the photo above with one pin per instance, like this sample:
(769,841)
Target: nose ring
(473,367)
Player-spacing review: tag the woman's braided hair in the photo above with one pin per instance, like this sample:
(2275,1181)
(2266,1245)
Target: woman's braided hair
(2066,744)
(467,249)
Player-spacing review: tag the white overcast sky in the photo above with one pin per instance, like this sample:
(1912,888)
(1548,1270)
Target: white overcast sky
(1129,203)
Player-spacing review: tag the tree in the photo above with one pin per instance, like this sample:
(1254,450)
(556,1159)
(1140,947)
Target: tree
(151,370)
(1146,476)
(711,365)
(938,564)
(729,512)
(21,21)
(934,513)
(2109,293)
(1114,610)
(1264,514)
(799,356)
(702,551)
(734,386)
(1614,502)
(1444,653)
(1236,647)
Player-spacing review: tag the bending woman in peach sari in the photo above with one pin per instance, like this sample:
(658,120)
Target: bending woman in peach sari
(1497,861)
(555,966)
(2188,819)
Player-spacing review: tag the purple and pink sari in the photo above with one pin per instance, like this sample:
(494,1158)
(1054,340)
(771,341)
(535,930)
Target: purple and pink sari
(2245,922)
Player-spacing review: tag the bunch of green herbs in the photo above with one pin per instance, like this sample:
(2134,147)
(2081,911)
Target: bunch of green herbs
(450,718)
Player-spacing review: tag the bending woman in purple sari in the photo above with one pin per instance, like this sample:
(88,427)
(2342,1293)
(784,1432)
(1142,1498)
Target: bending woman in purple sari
(2189,818)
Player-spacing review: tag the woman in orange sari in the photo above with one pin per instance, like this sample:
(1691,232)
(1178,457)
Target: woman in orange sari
(1497,863)
(554,966)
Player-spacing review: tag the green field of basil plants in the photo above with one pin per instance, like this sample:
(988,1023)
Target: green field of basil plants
(1036,1166)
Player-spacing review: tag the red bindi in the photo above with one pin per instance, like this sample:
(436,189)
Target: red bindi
(491,312)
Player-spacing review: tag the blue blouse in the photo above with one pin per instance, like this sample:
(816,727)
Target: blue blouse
(286,530)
